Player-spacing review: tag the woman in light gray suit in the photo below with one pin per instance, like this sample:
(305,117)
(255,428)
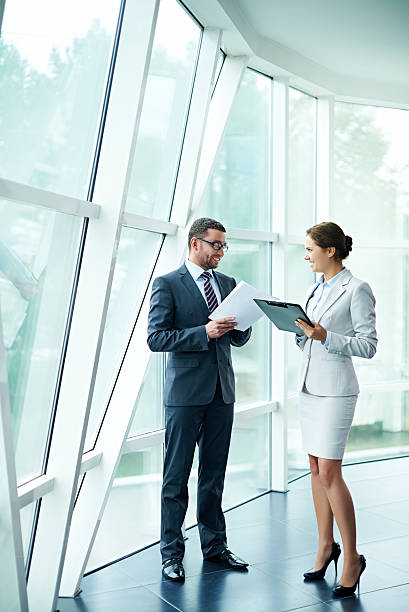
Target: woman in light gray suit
(342,309)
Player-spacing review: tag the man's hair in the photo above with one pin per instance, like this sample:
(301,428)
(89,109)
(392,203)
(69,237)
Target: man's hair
(200,227)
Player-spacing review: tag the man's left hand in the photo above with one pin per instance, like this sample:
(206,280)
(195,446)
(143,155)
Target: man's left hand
(314,333)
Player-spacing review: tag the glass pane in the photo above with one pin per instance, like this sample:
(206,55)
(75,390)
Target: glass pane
(249,261)
(54,58)
(136,255)
(247,468)
(380,427)
(148,415)
(238,191)
(388,274)
(131,519)
(164,112)
(301,162)
(297,457)
(26,520)
(371,171)
(38,250)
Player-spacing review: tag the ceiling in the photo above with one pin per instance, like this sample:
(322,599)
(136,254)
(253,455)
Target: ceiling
(360,38)
(357,48)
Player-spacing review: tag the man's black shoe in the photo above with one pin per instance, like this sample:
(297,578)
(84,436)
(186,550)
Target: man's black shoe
(229,560)
(173,569)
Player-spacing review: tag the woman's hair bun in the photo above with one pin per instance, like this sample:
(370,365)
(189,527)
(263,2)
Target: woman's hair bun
(348,244)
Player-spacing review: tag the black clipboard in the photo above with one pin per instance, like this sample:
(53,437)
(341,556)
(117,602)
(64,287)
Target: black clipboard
(283,314)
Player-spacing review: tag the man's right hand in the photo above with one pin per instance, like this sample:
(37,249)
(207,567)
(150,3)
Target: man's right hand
(215,329)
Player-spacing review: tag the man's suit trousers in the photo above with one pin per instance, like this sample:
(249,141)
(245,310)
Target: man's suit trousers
(210,427)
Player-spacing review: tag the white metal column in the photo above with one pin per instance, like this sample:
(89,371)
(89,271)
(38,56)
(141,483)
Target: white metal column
(13,591)
(199,108)
(279,467)
(98,263)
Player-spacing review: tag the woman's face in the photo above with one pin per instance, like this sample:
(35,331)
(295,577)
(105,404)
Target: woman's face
(318,258)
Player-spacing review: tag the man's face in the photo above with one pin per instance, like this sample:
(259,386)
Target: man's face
(203,254)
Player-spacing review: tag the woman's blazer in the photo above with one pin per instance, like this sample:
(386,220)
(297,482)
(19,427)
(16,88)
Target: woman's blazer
(349,314)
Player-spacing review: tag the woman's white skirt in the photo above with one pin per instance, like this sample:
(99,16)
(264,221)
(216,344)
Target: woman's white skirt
(325,423)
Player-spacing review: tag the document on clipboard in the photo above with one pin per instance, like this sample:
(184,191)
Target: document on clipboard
(283,314)
(241,304)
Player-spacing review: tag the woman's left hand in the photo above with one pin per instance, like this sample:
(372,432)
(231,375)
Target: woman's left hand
(315,333)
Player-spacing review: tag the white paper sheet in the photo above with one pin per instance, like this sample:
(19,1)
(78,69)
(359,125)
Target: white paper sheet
(240,305)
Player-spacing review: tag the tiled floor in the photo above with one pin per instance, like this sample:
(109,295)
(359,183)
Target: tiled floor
(276,535)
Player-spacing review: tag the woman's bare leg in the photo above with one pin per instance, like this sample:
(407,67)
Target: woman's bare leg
(340,500)
(324,515)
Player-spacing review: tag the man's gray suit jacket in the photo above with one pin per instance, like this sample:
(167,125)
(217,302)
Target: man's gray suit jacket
(176,324)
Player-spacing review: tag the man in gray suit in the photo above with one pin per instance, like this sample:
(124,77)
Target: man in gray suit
(198,396)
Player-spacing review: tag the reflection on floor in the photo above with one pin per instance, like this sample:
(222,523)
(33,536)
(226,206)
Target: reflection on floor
(276,535)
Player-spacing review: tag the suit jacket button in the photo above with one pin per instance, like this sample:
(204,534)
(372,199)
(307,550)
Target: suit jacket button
(215,361)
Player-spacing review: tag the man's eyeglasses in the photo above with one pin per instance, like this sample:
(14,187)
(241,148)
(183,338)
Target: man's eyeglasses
(216,245)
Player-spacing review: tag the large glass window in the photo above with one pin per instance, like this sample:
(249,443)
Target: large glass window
(164,112)
(136,256)
(248,467)
(299,279)
(38,250)
(249,261)
(387,273)
(371,204)
(247,473)
(53,64)
(148,416)
(381,426)
(301,215)
(131,518)
(371,171)
(238,190)
(301,161)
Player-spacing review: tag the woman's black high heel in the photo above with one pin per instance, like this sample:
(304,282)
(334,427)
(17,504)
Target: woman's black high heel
(342,591)
(319,574)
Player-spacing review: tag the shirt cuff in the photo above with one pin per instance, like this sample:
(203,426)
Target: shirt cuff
(327,341)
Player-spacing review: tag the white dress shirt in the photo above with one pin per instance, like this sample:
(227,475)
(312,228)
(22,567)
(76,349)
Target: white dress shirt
(196,272)
(318,299)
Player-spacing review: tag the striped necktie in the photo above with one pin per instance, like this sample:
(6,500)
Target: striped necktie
(209,292)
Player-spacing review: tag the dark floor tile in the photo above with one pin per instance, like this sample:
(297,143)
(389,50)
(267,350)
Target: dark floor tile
(280,506)
(371,492)
(260,510)
(276,533)
(395,599)
(397,511)
(291,572)
(143,567)
(108,579)
(370,527)
(301,483)
(377,576)
(264,541)
(394,553)
(127,600)
(233,592)
(377,469)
